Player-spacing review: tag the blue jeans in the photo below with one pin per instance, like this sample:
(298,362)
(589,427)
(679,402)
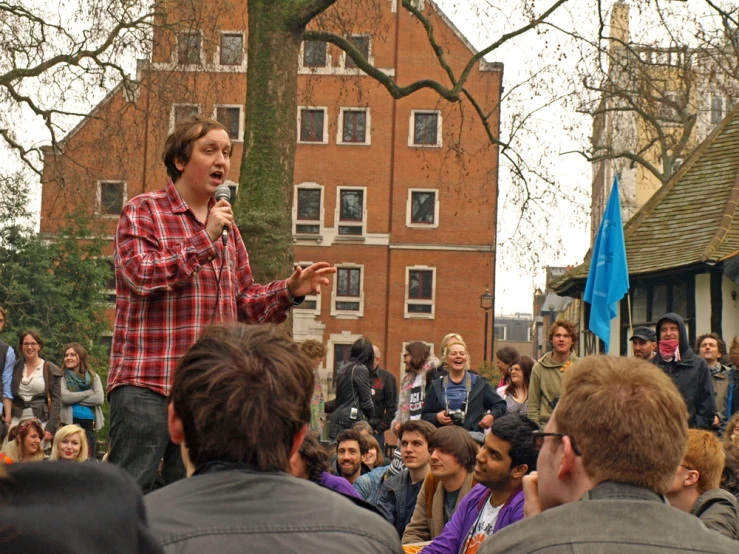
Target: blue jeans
(139,437)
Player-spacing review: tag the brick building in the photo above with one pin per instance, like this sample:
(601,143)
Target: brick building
(400,195)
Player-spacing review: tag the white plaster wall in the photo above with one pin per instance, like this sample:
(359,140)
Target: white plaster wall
(730,312)
(702,303)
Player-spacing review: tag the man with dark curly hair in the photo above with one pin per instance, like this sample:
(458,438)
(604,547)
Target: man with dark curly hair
(546,375)
(711,348)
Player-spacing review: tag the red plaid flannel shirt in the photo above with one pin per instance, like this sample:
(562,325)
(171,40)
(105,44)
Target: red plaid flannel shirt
(166,268)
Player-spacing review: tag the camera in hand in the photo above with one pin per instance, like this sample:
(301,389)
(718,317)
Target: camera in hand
(457,417)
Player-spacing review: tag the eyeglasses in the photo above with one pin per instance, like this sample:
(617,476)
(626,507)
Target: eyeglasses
(30,344)
(539,437)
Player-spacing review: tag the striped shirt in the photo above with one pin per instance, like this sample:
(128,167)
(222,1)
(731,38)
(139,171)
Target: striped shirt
(166,270)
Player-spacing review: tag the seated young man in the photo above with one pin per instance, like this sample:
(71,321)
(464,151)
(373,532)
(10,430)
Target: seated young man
(607,456)
(453,452)
(696,486)
(351,447)
(239,409)
(509,453)
(399,492)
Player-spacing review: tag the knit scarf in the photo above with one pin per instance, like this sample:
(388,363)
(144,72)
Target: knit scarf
(77,383)
(669,349)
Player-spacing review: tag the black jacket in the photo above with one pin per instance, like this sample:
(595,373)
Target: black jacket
(384,397)
(482,398)
(692,377)
(351,393)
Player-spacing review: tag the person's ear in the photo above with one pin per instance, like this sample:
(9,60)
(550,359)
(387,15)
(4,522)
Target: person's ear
(567,460)
(691,477)
(179,164)
(519,471)
(298,440)
(174,423)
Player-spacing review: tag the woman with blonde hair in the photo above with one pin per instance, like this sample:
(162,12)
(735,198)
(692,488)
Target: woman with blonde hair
(70,445)
(443,346)
(24,442)
(82,395)
(462,398)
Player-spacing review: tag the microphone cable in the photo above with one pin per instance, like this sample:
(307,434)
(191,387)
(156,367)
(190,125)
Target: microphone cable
(218,285)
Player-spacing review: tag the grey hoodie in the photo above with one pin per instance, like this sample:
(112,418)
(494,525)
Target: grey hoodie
(718,510)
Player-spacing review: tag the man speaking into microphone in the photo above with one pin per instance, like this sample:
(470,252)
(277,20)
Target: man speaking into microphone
(180,265)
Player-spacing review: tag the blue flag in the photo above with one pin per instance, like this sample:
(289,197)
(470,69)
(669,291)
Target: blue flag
(608,278)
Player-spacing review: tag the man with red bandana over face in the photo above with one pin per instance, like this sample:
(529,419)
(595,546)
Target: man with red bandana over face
(689,371)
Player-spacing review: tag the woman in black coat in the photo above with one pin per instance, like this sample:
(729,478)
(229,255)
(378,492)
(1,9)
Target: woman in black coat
(353,400)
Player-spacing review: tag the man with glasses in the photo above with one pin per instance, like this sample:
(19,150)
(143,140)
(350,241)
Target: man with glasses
(507,455)
(607,457)
(7,361)
(384,397)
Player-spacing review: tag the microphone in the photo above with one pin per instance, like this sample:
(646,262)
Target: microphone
(223,192)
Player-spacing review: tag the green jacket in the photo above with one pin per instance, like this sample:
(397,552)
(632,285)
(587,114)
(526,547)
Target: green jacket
(544,387)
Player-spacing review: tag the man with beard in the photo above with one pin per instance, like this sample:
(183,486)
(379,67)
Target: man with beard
(496,502)
(644,343)
(350,447)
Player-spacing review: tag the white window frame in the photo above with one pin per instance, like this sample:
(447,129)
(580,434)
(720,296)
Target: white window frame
(99,197)
(308,297)
(405,345)
(367,127)
(296,221)
(337,215)
(348,314)
(241,118)
(176,53)
(408,300)
(409,211)
(505,331)
(172,112)
(310,69)
(325,124)
(217,59)
(412,127)
(370,56)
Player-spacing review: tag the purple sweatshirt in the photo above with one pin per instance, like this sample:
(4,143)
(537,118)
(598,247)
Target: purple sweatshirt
(456,531)
(337,484)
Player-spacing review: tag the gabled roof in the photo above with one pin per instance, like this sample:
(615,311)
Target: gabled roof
(692,219)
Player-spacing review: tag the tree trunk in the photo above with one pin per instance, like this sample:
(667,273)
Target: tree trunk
(263,210)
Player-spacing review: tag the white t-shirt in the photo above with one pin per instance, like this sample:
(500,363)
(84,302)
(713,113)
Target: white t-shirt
(482,528)
(416,398)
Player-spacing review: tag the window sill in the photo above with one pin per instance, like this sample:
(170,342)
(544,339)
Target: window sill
(316,238)
(350,238)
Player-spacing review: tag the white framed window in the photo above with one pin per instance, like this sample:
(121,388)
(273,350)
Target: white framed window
(189,47)
(179,112)
(717,109)
(500,331)
(231,116)
(405,345)
(354,127)
(111,196)
(312,125)
(424,129)
(234,188)
(308,210)
(361,43)
(339,345)
(230,48)
(312,302)
(420,292)
(422,209)
(347,298)
(314,54)
(351,212)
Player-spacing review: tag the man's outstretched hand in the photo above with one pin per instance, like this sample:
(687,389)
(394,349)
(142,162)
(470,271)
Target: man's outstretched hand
(309,280)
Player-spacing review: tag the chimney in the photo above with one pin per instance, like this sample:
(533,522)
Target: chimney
(620,22)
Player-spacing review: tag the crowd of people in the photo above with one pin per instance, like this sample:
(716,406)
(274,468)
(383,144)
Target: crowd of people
(221,425)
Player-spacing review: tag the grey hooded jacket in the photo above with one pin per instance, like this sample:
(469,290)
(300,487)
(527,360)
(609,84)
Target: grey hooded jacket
(718,510)
(241,510)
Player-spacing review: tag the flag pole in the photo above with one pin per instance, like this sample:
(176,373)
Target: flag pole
(631,323)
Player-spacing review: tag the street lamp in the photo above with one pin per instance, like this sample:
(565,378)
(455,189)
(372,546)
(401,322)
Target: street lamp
(486,303)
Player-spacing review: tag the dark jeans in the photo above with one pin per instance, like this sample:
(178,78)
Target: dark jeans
(89,426)
(380,439)
(139,437)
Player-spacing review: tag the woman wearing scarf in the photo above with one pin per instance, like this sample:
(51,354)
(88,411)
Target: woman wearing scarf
(82,394)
